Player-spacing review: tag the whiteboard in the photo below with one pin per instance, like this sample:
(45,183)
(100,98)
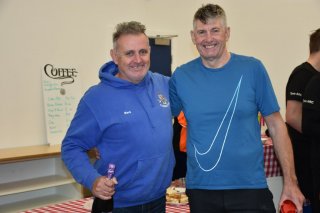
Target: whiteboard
(61,94)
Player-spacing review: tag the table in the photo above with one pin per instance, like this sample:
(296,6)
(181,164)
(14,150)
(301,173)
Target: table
(272,169)
(77,206)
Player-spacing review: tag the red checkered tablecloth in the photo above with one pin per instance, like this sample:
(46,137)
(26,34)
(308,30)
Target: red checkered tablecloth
(271,165)
(177,209)
(77,206)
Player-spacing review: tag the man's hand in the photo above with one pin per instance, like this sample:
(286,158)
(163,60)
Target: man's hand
(104,188)
(293,193)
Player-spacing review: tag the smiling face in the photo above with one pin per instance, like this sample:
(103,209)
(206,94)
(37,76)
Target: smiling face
(211,39)
(132,55)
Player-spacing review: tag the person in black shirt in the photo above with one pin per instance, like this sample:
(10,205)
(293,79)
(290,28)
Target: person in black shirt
(311,128)
(295,94)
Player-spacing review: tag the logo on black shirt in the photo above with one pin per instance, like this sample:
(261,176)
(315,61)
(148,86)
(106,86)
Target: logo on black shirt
(295,94)
(308,101)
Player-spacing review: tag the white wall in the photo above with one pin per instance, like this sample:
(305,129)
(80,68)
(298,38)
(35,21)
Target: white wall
(275,31)
(77,34)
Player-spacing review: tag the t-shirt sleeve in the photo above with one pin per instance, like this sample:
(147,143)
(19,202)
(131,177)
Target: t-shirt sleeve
(175,101)
(296,85)
(265,95)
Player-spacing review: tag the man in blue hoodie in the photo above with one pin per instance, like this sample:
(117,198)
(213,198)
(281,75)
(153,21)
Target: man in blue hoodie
(127,117)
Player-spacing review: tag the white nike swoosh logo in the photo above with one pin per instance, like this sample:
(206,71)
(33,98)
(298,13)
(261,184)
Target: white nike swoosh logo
(234,102)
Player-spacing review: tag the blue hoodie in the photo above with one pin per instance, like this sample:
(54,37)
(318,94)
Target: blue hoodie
(131,125)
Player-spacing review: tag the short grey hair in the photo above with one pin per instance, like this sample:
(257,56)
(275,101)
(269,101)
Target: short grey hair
(209,11)
(125,28)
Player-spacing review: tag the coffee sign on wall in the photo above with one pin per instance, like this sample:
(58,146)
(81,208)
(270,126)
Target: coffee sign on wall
(61,94)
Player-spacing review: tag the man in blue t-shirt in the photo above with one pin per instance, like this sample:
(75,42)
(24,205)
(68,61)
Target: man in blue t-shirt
(221,94)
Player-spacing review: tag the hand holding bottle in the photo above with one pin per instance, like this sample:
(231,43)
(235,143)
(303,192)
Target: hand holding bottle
(103,190)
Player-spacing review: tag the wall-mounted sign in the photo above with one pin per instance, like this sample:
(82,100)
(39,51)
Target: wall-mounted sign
(61,94)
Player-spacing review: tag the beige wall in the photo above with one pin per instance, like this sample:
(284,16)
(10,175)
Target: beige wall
(77,33)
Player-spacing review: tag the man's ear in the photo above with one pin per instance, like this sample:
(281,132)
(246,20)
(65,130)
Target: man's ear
(192,36)
(113,56)
(228,33)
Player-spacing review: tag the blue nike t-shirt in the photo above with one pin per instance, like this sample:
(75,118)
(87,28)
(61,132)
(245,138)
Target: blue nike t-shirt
(221,105)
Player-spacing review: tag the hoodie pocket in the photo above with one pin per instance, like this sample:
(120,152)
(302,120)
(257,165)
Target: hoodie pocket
(151,179)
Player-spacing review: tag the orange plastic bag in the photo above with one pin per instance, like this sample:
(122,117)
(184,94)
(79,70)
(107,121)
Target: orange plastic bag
(288,207)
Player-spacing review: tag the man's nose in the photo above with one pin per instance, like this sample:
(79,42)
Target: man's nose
(209,36)
(137,58)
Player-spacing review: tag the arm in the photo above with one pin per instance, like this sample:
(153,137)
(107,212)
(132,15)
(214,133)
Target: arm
(294,114)
(283,149)
(82,135)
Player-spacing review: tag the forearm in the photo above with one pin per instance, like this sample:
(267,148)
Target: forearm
(282,146)
(295,123)
(283,149)
(294,114)
(79,165)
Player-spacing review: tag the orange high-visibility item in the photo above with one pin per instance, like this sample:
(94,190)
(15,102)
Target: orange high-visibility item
(183,134)
(288,207)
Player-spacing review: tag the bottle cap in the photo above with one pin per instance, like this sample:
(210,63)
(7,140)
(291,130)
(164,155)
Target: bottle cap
(111,169)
